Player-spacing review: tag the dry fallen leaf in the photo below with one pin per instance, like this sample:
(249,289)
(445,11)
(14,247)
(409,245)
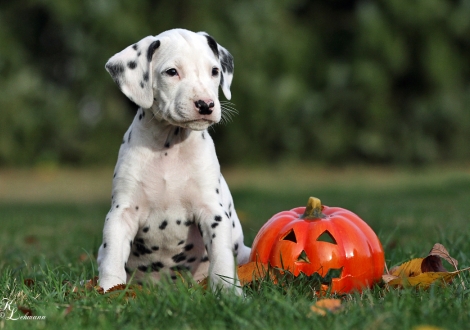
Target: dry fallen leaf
(253,271)
(68,310)
(323,306)
(422,272)
(29,282)
(440,251)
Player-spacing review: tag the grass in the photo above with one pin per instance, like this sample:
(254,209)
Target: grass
(51,222)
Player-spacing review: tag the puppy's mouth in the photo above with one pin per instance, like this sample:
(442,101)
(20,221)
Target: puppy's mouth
(197,124)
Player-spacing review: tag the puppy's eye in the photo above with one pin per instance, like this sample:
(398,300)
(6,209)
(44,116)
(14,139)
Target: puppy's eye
(171,72)
(215,72)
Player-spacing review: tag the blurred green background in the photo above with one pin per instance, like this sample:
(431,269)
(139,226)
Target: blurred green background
(328,81)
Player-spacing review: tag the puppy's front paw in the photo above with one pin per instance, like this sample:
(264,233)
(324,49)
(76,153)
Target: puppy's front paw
(226,285)
(107,282)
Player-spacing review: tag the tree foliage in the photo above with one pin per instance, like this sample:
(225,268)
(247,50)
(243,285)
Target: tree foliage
(334,81)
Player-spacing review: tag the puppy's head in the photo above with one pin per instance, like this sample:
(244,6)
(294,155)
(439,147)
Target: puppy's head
(177,75)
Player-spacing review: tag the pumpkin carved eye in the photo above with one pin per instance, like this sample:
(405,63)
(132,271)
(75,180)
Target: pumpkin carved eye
(326,237)
(290,236)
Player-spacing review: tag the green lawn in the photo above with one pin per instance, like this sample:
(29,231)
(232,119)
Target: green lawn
(56,238)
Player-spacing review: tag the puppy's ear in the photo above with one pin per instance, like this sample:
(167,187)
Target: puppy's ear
(132,71)
(226,62)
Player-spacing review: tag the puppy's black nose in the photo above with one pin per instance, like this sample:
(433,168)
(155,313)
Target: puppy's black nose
(204,108)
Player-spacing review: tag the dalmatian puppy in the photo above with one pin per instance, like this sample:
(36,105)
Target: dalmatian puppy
(171,210)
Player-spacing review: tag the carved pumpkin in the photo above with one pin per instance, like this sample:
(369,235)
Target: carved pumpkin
(318,238)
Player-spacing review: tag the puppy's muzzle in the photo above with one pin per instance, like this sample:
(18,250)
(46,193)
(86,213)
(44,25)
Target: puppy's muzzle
(204,107)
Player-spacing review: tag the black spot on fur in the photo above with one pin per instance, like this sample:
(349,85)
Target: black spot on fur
(128,271)
(140,240)
(226,60)
(188,247)
(215,224)
(163,225)
(136,208)
(140,117)
(213,45)
(205,259)
(213,235)
(114,175)
(129,137)
(179,257)
(235,247)
(142,268)
(104,246)
(218,218)
(227,215)
(136,254)
(142,85)
(178,222)
(130,242)
(156,266)
(142,249)
(192,259)
(138,53)
(146,76)
(188,223)
(217,190)
(153,46)
(117,206)
(146,229)
(132,65)
(177,130)
(134,46)
(233,224)
(155,248)
(203,136)
(181,242)
(167,144)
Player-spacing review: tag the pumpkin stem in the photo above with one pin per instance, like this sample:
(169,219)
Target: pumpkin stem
(313,209)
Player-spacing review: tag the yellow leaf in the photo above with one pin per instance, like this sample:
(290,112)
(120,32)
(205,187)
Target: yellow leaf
(323,306)
(408,269)
(424,280)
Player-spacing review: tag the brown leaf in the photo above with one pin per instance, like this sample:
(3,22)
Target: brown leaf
(440,251)
(90,284)
(25,310)
(68,310)
(28,282)
(323,306)
(83,257)
(387,278)
(31,239)
(432,264)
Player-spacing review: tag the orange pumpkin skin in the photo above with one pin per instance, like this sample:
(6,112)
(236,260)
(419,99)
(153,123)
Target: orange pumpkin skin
(357,251)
